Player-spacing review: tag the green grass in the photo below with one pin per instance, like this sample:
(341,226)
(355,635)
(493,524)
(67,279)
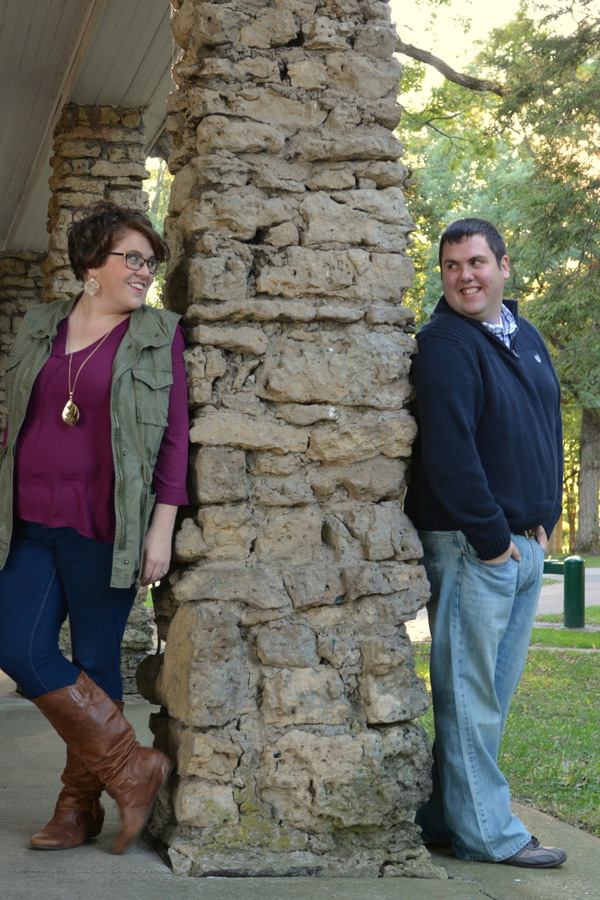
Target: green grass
(550,749)
(559,637)
(549,752)
(592,616)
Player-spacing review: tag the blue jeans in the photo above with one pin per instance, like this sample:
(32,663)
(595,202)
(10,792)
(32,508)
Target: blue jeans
(480,619)
(52,573)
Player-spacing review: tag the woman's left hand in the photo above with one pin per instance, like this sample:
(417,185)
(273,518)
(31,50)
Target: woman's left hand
(157,545)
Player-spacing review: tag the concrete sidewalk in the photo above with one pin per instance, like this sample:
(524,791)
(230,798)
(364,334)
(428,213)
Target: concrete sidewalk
(32,757)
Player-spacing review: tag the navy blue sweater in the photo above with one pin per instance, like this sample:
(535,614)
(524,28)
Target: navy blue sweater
(488,457)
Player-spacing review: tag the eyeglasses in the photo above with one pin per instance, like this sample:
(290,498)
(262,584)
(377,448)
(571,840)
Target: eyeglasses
(135,262)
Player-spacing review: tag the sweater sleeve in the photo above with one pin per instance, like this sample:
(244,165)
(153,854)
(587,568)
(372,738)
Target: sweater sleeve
(170,472)
(449,399)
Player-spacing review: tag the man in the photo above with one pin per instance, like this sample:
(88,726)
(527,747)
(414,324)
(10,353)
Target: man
(485,493)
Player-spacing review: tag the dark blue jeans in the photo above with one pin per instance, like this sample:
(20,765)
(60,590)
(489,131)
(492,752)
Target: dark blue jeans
(52,573)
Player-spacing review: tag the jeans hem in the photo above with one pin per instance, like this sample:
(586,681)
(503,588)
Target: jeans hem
(478,858)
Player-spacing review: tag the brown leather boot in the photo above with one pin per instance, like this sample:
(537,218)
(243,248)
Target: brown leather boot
(98,733)
(79,814)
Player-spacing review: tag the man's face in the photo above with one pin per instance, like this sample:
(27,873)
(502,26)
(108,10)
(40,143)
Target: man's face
(472,280)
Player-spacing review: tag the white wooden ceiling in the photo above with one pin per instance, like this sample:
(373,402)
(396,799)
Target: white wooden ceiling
(52,52)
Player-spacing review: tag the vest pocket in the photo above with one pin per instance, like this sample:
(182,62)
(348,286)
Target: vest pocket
(151,389)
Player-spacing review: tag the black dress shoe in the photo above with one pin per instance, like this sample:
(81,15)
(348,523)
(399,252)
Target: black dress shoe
(534,856)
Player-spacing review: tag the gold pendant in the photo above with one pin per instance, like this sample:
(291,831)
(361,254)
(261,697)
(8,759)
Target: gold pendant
(70,413)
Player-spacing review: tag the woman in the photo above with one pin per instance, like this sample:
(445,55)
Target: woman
(92,469)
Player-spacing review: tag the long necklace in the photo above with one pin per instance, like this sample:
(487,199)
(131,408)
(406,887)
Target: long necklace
(70,413)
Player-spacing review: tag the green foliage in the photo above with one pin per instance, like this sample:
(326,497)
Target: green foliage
(158,186)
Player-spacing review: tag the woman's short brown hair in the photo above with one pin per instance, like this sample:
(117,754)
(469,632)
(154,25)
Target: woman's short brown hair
(95,230)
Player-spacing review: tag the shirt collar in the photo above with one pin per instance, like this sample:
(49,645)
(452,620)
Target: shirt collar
(506,328)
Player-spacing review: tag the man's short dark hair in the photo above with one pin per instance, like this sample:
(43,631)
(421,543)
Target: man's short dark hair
(463,228)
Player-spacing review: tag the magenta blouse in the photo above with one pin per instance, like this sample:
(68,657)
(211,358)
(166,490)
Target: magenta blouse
(65,474)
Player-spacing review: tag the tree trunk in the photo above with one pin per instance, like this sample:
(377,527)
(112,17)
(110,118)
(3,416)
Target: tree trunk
(588,537)
(572,520)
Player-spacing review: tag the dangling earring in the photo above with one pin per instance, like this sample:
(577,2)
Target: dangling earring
(91,286)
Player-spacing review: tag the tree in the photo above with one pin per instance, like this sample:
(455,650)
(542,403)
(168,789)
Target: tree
(571,444)
(521,146)
(158,186)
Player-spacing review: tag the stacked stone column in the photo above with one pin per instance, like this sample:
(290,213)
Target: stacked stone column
(287,673)
(99,154)
(20,288)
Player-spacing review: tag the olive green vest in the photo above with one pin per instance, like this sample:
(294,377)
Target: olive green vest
(141,380)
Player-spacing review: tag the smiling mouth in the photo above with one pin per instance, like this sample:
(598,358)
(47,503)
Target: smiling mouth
(468,292)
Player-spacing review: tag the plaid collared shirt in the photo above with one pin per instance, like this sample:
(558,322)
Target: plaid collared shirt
(507,327)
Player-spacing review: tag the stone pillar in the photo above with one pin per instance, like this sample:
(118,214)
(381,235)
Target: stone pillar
(99,154)
(20,288)
(287,674)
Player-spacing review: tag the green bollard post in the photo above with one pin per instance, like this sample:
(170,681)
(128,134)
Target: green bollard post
(574,597)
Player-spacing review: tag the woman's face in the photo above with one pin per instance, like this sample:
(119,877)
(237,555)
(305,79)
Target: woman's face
(121,289)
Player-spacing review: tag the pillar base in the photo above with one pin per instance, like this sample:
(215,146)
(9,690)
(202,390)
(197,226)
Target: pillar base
(350,855)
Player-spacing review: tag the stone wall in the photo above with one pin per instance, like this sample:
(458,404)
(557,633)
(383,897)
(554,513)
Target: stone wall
(288,674)
(21,281)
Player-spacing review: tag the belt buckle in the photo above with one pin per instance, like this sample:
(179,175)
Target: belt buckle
(530,533)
